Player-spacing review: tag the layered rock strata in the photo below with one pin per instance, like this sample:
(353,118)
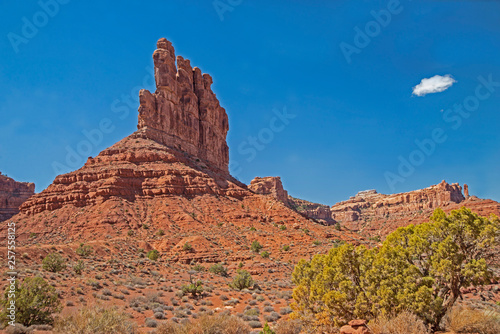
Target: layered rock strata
(12,195)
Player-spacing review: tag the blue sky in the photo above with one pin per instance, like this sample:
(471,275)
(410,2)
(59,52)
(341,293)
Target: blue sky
(353,121)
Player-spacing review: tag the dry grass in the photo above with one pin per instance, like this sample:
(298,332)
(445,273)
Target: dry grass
(404,323)
(288,327)
(96,320)
(206,324)
(467,320)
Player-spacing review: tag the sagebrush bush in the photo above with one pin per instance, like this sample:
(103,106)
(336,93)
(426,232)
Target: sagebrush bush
(205,324)
(94,320)
(54,262)
(84,250)
(288,327)
(36,301)
(466,320)
(404,323)
(218,269)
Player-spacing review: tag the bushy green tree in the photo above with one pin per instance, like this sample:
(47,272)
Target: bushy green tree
(54,262)
(243,280)
(256,246)
(153,255)
(418,268)
(36,301)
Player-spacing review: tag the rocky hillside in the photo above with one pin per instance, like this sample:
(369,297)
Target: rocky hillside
(12,195)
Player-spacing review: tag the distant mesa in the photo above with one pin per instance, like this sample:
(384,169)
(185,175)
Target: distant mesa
(370,211)
(12,195)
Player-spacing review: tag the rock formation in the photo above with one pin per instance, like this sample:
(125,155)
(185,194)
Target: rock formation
(355,327)
(316,211)
(179,148)
(270,185)
(170,175)
(12,195)
(466,191)
(184,113)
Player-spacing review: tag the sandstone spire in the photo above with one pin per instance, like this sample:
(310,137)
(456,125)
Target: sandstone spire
(184,113)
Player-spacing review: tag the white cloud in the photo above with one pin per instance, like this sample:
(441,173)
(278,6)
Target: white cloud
(435,84)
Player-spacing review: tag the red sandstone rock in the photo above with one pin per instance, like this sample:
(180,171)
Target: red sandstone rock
(355,327)
(184,113)
(12,195)
(270,185)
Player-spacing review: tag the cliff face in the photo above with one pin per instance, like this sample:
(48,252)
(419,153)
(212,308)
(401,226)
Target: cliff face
(370,203)
(12,195)
(184,113)
(377,214)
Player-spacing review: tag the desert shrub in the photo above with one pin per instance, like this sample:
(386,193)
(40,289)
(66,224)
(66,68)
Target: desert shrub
(92,320)
(160,233)
(187,247)
(255,324)
(198,267)
(53,262)
(404,323)
(286,248)
(78,267)
(267,330)
(153,255)
(194,288)
(18,329)
(84,250)
(218,269)
(206,324)
(430,262)
(243,280)
(36,301)
(466,320)
(265,254)
(256,246)
(288,327)
(152,323)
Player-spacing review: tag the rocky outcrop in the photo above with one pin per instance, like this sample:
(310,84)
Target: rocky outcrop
(270,185)
(316,211)
(355,327)
(184,113)
(12,195)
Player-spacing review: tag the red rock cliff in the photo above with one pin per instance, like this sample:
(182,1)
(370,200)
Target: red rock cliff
(184,113)
(12,195)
